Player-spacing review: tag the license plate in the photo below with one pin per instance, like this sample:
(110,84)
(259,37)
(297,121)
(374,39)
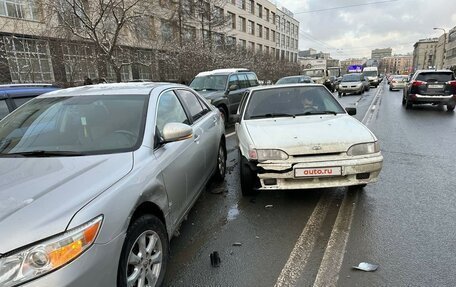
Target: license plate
(435,86)
(318,171)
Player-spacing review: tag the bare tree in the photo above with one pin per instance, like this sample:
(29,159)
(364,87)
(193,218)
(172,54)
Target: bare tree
(107,24)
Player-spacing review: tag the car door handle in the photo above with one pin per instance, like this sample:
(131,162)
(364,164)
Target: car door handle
(197,137)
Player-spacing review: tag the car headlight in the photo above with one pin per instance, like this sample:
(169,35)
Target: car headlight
(267,154)
(47,256)
(364,148)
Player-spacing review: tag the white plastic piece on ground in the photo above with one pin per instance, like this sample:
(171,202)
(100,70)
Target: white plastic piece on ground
(364,266)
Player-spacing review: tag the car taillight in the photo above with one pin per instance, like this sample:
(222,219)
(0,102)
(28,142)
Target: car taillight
(452,83)
(418,83)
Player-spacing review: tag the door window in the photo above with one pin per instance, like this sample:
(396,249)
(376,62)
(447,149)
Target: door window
(243,81)
(193,104)
(169,110)
(233,81)
(253,81)
(3,109)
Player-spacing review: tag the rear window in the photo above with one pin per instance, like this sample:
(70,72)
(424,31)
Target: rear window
(435,77)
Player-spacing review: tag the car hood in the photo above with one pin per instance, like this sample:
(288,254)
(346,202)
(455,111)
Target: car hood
(308,134)
(211,95)
(39,196)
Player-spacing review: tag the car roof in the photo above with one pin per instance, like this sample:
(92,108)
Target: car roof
(139,88)
(260,88)
(223,71)
(18,92)
(433,71)
(26,85)
(298,76)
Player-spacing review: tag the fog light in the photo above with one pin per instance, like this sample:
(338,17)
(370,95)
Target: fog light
(270,181)
(363,175)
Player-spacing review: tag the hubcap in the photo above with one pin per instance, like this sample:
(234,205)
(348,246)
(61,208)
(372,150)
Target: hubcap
(145,260)
(221,160)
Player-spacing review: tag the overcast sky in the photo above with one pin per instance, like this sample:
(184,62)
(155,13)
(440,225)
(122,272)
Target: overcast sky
(355,31)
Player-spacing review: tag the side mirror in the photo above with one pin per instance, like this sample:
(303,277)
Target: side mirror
(351,111)
(233,88)
(173,132)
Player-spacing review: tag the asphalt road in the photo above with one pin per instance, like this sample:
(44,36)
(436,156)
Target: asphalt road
(404,223)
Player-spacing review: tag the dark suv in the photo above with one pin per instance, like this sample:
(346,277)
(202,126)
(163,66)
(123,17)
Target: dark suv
(431,87)
(14,95)
(224,88)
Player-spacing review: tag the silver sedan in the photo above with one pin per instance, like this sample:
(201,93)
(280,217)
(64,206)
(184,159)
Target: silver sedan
(95,181)
(300,137)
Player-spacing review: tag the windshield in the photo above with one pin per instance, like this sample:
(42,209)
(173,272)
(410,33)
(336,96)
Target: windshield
(291,102)
(370,73)
(314,73)
(294,80)
(435,77)
(209,83)
(351,78)
(82,124)
(334,72)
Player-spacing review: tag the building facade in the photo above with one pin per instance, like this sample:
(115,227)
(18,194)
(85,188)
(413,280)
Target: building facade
(31,52)
(378,54)
(398,64)
(450,49)
(424,54)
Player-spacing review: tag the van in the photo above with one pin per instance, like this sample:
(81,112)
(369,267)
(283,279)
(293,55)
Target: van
(372,75)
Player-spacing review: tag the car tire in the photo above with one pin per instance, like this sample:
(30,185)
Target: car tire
(391,88)
(146,227)
(340,94)
(246,175)
(224,115)
(408,104)
(220,169)
(357,187)
(450,108)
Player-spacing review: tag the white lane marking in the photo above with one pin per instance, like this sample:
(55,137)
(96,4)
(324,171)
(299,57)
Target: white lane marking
(305,244)
(372,104)
(230,134)
(328,274)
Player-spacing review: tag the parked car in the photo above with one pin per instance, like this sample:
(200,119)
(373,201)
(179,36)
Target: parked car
(366,84)
(431,87)
(398,82)
(224,88)
(351,84)
(14,95)
(96,179)
(316,143)
(294,80)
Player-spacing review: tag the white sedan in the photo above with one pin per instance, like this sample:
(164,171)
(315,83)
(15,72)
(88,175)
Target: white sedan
(300,137)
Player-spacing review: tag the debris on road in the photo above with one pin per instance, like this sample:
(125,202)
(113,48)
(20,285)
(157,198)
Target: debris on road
(215,259)
(364,266)
(237,244)
(257,237)
(269,206)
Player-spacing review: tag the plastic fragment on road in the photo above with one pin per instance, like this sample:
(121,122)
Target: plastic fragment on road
(364,266)
(215,259)
(237,244)
(269,206)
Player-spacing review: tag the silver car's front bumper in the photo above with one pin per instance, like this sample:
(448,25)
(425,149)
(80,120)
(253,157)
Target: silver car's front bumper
(369,167)
(96,267)
(356,89)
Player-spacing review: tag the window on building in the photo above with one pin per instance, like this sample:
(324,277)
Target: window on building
(259,11)
(251,7)
(259,47)
(243,43)
(266,32)
(251,28)
(29,60)
(24,9)
(166,31)
(188,33)
(232,19)
(266,14)
(125,73)
(242,24)
(80,62)
(252,46)
(259,31)
(240,4)
(230,41)
(273,18)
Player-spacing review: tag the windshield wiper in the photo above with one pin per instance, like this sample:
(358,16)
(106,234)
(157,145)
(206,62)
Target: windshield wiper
(272,115)
(43,153)
(318,113)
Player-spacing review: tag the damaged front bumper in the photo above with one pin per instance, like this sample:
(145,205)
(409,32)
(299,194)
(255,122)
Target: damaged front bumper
(343,172)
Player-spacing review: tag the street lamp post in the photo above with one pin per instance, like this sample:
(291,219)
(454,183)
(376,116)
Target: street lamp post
(444,42)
